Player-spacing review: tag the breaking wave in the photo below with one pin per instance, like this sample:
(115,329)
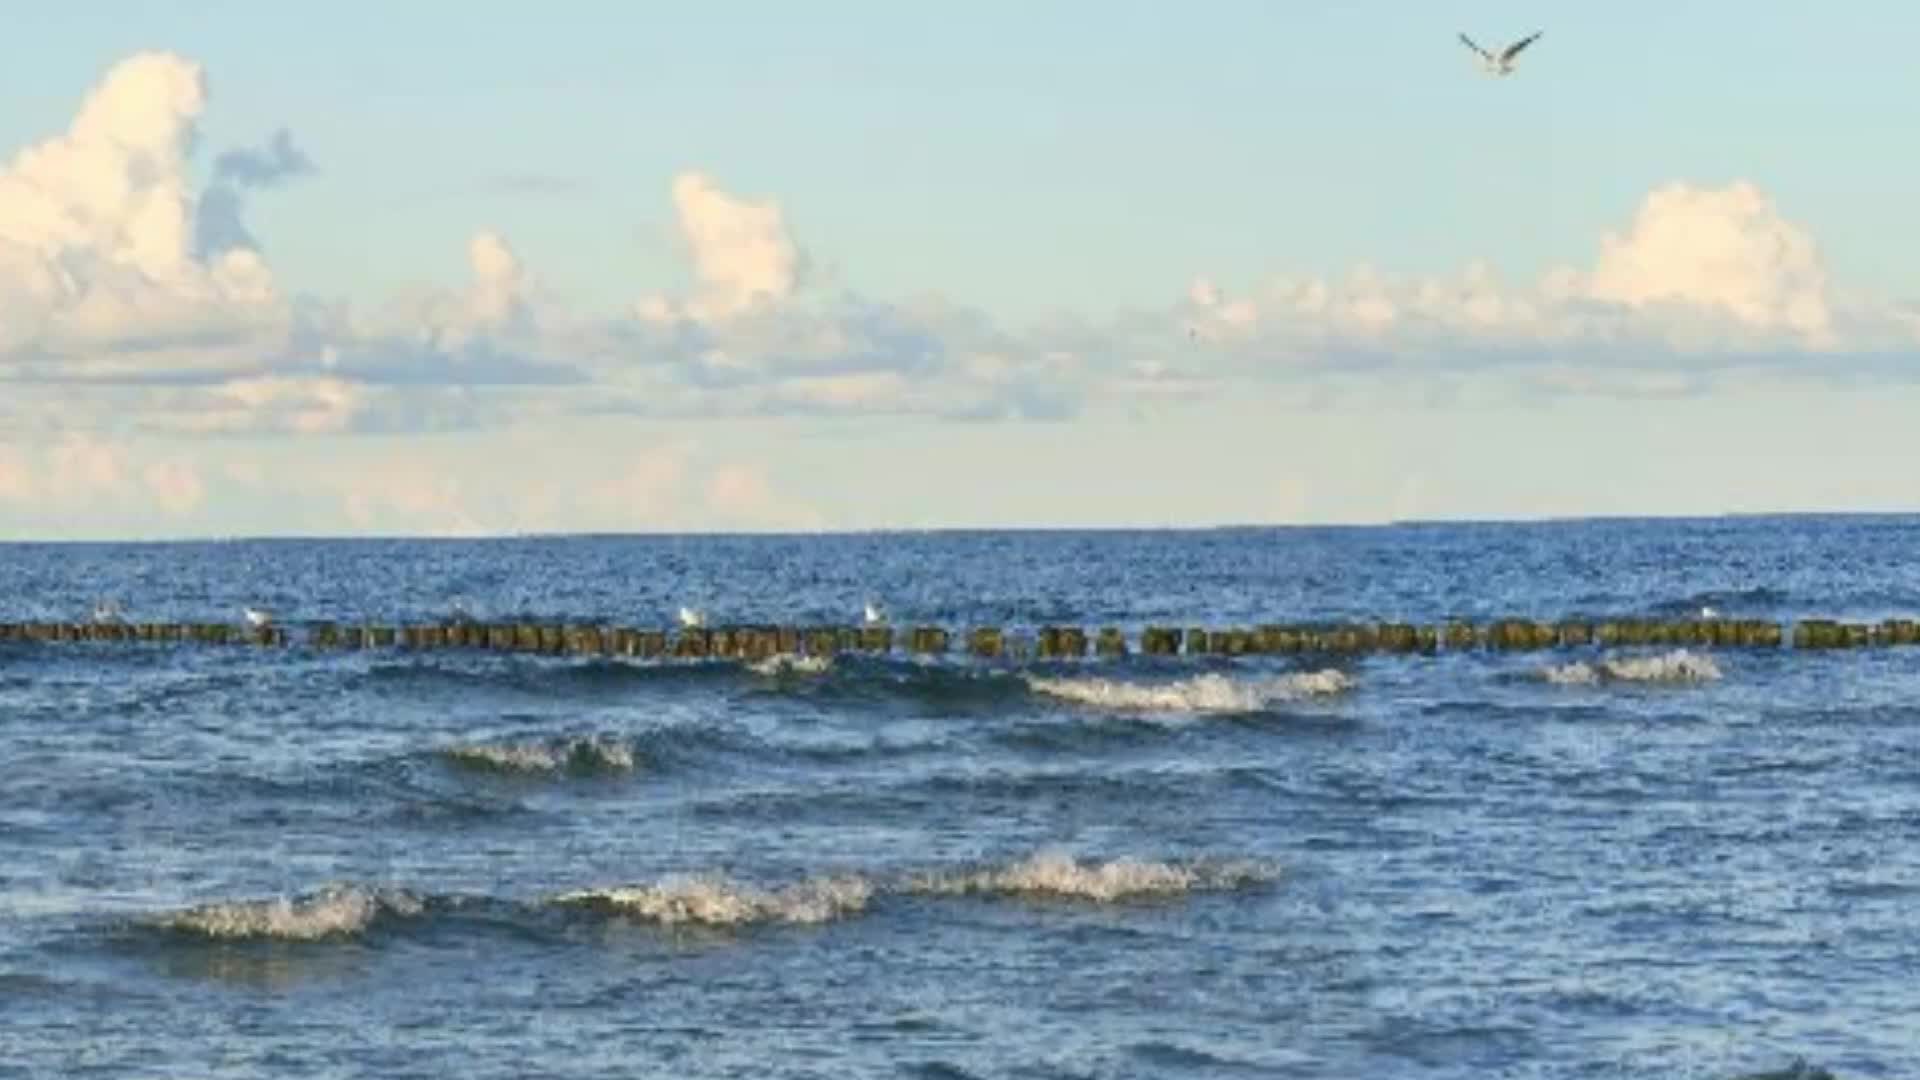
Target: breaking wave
(1210,693)
(1679,665)
(1059,875)
(335,911)
(716,900)
(791,664)
(586,756)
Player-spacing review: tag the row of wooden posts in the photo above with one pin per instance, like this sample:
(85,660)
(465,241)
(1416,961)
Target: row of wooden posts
(1049,642)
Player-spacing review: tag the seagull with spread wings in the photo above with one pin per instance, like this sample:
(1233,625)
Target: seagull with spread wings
(1501,63)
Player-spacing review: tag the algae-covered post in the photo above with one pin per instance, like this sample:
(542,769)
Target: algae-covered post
(986,641)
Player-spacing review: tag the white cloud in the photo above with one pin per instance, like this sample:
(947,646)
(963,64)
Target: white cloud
(303,404)
(499,280)
(742,252)
(1707,276)
(97,254)
(920,357)
(107,273)
(1727,249)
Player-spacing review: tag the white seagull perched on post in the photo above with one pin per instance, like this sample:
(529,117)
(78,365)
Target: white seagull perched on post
(1501,63)
(258,618)
(692,619)
(875,615)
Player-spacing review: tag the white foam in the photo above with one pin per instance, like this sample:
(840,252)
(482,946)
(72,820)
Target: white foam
(1057,874)
(716,900)
(587,755)
(1201,693)
(336,911)
(791,664)
(1679,665)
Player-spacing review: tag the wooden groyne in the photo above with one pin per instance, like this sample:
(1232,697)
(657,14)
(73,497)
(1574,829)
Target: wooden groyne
(1042,643)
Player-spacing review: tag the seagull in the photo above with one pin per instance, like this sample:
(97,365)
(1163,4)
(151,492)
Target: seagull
(1501,63)
(690,618)
(1709,613)
(257,618)
(106,611)
(875,616)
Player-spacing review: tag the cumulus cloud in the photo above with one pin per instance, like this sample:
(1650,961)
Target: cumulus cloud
(112,270)
(1727,249)
(97,252)
(917,357)
(303,404)
(437,354)
(499,289)
(1702,277)
(742,253)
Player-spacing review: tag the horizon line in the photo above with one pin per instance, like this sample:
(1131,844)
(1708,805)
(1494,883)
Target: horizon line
(958,530)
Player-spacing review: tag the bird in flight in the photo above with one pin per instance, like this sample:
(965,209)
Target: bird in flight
(1501,63)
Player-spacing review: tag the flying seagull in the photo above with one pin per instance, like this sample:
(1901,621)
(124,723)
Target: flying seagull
(1501,63)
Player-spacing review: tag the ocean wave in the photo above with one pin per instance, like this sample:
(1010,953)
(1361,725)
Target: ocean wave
(1056,874)
(791,664)
(717,900)
(580,756)
(1677,666)
(538,676)
(335,911)
(1209,693)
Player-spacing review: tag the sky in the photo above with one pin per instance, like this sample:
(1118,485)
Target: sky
(439,270)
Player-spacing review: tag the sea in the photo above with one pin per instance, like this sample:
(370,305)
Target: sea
(1585,862)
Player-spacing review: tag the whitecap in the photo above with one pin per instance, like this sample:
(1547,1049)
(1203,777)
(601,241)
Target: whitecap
(1680,665)
(335,911)
(717,900)
(1060,875)
(791,664)
(1210,693)
(592,755)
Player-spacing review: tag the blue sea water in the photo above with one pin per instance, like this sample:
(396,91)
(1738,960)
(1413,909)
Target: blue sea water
(1647,863)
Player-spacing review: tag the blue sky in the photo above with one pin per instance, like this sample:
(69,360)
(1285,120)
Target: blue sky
(940,243)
